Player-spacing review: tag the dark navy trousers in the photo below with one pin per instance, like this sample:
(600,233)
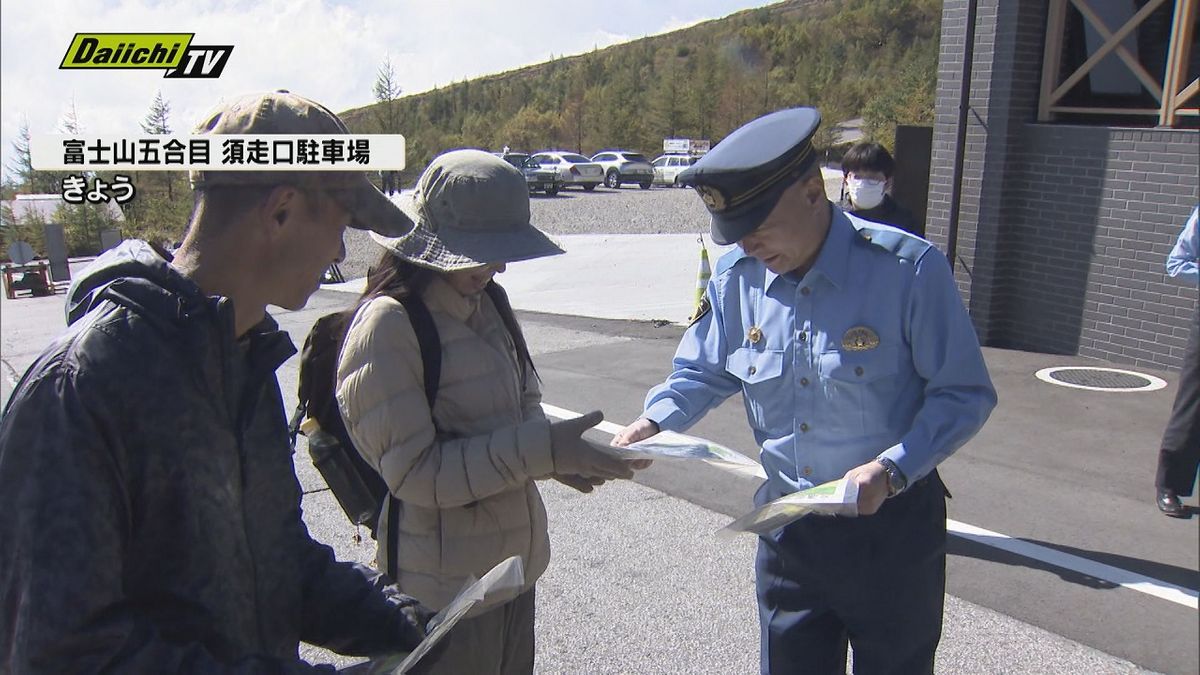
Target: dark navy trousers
(877,582)
(1180,453)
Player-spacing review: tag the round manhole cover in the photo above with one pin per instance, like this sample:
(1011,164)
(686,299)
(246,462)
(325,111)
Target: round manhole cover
(1100,379)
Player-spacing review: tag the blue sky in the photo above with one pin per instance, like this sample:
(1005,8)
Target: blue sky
(329,51)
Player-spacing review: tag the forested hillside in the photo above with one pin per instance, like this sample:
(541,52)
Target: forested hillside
(871,58)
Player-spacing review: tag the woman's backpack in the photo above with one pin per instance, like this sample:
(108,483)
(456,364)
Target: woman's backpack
(357,486)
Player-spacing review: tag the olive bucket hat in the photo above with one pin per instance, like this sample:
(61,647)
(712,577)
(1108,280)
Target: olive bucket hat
(470,208)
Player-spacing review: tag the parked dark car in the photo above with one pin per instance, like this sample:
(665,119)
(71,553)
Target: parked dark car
(538,178)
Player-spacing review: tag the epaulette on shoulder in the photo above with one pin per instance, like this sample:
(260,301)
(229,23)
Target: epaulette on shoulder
(899,243)
(731,258)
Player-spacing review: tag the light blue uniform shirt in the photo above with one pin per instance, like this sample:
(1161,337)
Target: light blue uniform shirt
(817,406)
(1181,264)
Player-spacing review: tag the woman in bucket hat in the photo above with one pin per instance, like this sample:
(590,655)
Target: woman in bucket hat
(464,471)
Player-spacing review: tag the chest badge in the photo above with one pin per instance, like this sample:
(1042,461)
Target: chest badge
(860,339)
(754,335)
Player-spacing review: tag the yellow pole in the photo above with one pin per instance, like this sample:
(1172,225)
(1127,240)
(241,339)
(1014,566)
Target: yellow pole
(703,274)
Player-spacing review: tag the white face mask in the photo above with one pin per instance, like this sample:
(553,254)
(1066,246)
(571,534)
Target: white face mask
(865,193)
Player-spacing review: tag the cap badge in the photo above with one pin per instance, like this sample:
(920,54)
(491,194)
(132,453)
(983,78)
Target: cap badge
(713,199)
(754,335)
(860,339)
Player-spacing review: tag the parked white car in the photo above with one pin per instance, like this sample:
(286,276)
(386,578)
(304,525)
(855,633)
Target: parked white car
(623,166)
(573,168)
(668,167)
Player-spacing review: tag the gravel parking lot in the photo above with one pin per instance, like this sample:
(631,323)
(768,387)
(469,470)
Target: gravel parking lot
(629,210)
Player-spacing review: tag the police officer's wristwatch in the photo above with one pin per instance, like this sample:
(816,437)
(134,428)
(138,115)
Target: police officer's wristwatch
(896,479)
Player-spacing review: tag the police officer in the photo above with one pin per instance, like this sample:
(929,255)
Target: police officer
(856,359)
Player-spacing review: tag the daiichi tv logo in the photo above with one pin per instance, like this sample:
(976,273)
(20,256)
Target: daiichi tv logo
(172,52)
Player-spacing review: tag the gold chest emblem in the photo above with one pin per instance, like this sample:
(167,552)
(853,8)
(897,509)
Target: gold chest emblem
(860,339)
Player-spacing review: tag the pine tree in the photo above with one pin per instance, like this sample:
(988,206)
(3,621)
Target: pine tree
(21,165)
(158,122)
(386,90)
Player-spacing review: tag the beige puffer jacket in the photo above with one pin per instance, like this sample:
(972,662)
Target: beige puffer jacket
(468,500)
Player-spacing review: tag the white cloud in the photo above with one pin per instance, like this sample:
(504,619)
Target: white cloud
(324,49)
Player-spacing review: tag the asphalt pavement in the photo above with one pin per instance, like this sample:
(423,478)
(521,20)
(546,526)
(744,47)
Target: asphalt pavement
(638,582)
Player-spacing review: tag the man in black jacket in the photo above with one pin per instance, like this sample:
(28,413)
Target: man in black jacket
(867,170)
(149,510)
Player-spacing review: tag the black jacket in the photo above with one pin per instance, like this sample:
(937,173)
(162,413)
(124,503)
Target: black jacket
(889,212)
(149,509)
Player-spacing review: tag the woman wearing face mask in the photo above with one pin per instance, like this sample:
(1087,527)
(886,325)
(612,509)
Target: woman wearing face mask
(463,472)
(866,179)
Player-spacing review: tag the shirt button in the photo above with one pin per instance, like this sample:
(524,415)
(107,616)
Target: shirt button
(804,427)
(803,337)
(804,382)
(753,370)
(858,370)
(808,471)
(805,291)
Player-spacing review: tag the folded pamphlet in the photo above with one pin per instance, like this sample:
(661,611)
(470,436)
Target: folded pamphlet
(503,580)
(835,498)
(671,445)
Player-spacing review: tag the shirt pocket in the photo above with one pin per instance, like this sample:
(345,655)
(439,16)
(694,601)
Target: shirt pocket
(763,386)
(859,388)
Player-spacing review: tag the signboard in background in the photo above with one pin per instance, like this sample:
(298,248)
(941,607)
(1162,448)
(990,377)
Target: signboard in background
(686,146)
(675,146)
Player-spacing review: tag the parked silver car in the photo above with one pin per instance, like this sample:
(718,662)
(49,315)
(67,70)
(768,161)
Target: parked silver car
(573,168)
(538,178)
(623,166)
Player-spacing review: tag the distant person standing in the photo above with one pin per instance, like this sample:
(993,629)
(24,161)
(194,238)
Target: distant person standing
(1180,453)
(867,170)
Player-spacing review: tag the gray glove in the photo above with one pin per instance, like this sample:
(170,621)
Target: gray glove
(582,483)
(575,456)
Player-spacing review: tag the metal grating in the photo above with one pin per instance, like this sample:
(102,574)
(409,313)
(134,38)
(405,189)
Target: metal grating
(1101,379)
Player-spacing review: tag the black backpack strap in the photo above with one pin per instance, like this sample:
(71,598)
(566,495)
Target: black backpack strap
(504,308)
(430,344)
(296,419)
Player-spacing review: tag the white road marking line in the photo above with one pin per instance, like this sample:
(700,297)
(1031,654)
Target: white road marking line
(1179,595)
(1163,590)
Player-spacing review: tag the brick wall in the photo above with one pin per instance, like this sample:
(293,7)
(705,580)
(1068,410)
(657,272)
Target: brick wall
(1063,230)
(1093,212)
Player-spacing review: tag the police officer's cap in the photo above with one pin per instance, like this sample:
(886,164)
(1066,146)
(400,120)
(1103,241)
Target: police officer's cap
(742,178)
